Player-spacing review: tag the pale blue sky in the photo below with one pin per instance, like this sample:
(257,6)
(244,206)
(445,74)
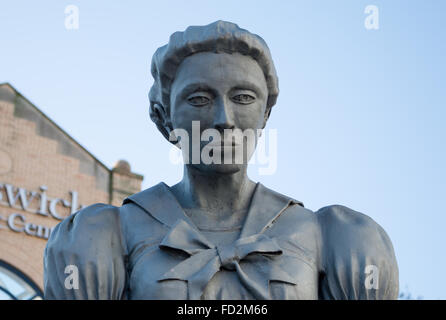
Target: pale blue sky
(360,116)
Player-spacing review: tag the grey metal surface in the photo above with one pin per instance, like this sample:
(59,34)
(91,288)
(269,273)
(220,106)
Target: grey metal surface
(216,234)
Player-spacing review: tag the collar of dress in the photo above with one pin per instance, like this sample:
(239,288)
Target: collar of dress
(205,259)
(265,207)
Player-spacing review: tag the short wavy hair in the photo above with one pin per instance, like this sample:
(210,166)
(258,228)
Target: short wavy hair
(217,37)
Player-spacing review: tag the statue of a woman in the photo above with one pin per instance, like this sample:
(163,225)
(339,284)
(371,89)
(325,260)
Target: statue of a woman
(217,234)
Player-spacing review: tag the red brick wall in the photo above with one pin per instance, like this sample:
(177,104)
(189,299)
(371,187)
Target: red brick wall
(35,152)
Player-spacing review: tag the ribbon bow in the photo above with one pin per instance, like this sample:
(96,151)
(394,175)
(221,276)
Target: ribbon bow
(205,260)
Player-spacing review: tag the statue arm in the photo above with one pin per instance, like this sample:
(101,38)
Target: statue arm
(358,260)
(85,256)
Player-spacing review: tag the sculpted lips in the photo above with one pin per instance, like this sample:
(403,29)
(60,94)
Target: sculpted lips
(223,147)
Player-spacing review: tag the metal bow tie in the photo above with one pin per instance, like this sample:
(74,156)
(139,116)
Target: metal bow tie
(206,260)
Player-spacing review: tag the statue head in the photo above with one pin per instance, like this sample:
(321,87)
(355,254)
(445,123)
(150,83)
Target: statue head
(219,74)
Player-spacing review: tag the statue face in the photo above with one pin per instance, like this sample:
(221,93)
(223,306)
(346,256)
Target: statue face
(224,92)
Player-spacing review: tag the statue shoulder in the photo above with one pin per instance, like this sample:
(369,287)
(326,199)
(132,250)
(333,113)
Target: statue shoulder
(358,258)
(344,225)
(91,242)
(93,222)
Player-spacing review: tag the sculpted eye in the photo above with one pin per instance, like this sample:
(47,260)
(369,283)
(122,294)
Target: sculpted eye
(198,101)
(243,98)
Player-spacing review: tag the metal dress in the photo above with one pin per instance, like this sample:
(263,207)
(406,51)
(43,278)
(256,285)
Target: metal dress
(150,249)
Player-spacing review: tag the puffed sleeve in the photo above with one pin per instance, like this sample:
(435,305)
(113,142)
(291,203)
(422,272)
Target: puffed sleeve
(85,256)
(358,260)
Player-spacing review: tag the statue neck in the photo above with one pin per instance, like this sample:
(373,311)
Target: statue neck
(216,195)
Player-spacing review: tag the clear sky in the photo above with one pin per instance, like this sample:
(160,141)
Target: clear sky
(360,116)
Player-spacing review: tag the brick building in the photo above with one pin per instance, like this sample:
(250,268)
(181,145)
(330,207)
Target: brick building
(45,175)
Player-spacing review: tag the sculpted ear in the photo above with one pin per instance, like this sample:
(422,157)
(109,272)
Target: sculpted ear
(160,117)
(266,117)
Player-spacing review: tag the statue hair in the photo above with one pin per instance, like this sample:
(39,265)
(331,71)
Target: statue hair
(217,37)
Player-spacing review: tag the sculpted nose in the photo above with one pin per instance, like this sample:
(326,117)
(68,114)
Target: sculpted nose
(224,117)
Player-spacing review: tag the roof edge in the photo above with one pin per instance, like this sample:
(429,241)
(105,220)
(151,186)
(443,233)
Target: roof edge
(55,124)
